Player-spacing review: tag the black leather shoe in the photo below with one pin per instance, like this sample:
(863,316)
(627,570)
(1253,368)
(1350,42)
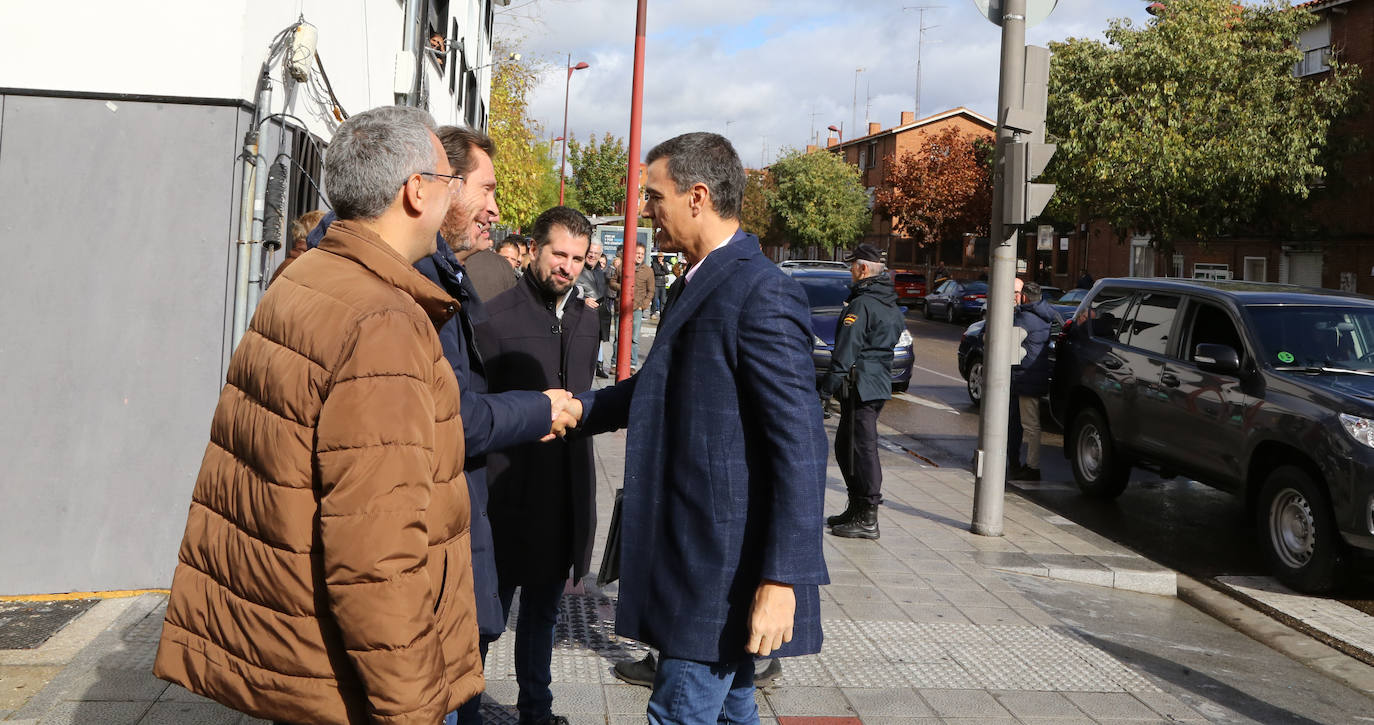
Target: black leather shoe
(845,516)
(640,672)
(601,372)
(765,671)
(863,526)
(550,720)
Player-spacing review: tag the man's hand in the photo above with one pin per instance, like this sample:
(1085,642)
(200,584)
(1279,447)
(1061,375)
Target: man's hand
(591,302)
(566,413)
(770,619)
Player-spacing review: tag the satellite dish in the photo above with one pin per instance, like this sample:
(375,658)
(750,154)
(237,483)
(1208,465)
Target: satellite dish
(1036,10)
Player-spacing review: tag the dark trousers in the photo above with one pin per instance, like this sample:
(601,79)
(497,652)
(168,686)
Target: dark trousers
(856,449)
(660,293)
(534,645)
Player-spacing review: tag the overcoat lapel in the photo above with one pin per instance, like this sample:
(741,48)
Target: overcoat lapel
(715,269)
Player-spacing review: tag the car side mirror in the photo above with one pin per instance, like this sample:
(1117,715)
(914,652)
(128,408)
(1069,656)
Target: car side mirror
(1217,358)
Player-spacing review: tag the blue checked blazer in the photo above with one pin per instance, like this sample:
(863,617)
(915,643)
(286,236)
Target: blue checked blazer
(725,464)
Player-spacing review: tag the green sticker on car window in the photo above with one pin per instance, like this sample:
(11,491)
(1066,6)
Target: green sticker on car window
(1285,357)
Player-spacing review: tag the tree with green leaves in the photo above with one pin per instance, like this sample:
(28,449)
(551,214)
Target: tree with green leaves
(818,199)
(522,161)
(598,173)
(755,215)
(1193,125)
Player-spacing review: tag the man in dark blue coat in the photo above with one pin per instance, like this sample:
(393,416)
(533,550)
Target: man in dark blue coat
(1030,378)
(725,463)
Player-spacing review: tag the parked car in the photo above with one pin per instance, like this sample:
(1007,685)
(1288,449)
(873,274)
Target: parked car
(910,286)
(1067,303)
(826,292)
(1262,390)
(812,264)
(970,358)
(957,299)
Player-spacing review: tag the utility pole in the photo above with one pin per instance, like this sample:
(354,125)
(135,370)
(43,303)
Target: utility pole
(627,268)
(1020,155)
(763,153)
(813,137)
(920,46)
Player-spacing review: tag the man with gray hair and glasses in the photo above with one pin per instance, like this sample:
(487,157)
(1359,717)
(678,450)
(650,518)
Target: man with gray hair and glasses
(325,574)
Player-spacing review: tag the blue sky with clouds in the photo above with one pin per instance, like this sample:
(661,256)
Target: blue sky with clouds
(757,70)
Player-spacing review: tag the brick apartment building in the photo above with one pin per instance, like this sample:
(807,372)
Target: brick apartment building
(873,154)
(1333,248)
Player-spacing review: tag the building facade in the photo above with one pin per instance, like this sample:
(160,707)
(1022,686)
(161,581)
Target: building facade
(125,160)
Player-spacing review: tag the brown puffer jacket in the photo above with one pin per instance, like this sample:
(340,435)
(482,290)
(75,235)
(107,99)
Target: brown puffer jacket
(326,574)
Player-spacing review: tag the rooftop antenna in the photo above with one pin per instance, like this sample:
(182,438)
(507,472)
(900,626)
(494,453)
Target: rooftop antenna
(920,45)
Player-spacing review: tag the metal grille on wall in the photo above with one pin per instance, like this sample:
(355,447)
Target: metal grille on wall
(302,196)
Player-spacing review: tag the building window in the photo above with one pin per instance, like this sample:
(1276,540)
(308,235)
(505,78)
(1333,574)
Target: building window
(436,17)
(470,98)
(1178,265)
(863,158)
(1142,257)
(1211,271)
(1256,269)
(1315,44)
(872,155)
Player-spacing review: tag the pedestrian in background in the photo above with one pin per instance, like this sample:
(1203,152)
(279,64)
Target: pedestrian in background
(596,291)
(325,573)
(725,465)
(642,298)
(300,234)
(860,375)
(540,334)
(1030,378)
(660,283)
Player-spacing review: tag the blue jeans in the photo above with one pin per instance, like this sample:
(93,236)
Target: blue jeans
(698,693)
(534,645)
(470,712)
(638,319)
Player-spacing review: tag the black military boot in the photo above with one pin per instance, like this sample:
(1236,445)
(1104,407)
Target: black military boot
(845,516)
(863,526)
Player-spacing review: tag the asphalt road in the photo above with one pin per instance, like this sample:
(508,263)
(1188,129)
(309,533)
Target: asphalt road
(1184,525)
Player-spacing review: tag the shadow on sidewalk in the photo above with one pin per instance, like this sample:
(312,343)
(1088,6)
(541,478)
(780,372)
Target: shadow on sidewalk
(1207,688)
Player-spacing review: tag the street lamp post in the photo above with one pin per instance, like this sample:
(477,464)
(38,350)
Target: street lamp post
(563,162)
(839,130)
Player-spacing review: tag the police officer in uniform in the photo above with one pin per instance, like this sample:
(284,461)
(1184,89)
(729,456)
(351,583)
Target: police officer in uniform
(860,376)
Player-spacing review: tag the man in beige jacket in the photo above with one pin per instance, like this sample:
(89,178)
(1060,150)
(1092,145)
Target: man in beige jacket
(642,299)
(325,573)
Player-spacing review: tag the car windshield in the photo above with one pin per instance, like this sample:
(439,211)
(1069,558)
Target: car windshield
(825,291)
(1315,338)
(908,278)
(1073,295)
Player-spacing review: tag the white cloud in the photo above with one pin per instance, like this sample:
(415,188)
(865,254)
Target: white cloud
(764,66)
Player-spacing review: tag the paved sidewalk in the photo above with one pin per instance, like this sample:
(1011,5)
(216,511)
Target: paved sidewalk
(921,626)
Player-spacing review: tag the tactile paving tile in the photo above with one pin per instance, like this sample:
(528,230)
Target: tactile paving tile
(581,667)
(993,665)
(964,656)
(805,672)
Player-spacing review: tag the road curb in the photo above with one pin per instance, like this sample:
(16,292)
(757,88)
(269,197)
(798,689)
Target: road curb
(1261,627)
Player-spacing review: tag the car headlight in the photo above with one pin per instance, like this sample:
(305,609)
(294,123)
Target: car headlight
(905,339)
(1361,429)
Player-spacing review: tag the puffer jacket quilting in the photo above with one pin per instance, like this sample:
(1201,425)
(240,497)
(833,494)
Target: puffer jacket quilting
(325,574)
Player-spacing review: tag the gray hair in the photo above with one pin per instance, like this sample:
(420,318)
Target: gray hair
(871,268)
(705,158)
(372,155)
(1030,292)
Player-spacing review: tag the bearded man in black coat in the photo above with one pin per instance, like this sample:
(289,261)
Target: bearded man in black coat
(541,334)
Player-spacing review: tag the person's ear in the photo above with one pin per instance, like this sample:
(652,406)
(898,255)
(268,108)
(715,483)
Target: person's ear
(415,194)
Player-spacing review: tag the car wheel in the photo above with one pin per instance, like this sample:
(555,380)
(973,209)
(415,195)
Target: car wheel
(975,380)
(949,313)
(901,387)
(1300,537)
(1097,466)
(925,311)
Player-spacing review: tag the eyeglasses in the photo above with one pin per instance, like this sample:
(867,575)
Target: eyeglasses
(451,177)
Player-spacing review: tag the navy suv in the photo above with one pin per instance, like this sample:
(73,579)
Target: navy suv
(1263,390)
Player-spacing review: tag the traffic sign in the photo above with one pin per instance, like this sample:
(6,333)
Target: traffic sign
(1036,10)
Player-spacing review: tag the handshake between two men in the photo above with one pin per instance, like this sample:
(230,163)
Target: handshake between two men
(565,413)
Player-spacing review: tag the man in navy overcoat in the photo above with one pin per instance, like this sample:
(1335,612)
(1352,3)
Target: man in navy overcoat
(725,466)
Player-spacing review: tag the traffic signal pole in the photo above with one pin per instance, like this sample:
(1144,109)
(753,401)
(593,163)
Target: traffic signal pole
(990,460)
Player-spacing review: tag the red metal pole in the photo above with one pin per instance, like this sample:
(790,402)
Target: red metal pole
(627,265)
